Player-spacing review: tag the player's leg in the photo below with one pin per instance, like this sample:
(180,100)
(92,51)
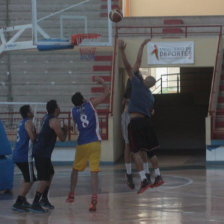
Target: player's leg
(146,165)
(80,163)
(125,119)
(158,178)
(21,203)
(94,162)
(139,165)
(44,200)
(136,137)
(94,185)
(153,147)
(44,173)
(73,183)
(127,160)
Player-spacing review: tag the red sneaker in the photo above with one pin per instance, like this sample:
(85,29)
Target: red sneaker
(158,181)
(145,184)
(92,207)
(70,198)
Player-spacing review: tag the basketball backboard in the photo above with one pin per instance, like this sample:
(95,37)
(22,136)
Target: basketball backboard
(56,19)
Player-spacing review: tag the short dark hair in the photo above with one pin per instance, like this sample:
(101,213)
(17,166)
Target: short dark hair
(77,99)
(24,110)
(51,106)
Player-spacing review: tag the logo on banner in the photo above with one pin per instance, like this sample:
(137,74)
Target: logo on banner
(156,52)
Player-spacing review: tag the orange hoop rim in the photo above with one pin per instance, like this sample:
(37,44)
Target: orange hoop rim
(78,38)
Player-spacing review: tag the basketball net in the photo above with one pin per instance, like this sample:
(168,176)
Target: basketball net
(87,53)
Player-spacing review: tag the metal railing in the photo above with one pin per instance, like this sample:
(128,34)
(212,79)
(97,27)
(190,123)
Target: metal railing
(169,30)
(215,85)
(166,84)
(11,120)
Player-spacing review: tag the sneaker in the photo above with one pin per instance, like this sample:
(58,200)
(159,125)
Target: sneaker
(36,208)
(130,182)
(19,207)
(26,204)
(148,178)
(144,185)
(70,198)
(158,181)
(92,207)
(46,204)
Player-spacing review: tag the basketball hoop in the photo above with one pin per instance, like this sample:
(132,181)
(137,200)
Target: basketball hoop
(78,38)
(87,53)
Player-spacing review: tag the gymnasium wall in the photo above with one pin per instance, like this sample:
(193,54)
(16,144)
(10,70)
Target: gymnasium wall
(205,50)
(175,8)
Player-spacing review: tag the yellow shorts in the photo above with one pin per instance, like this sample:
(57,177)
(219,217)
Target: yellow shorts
(87,152)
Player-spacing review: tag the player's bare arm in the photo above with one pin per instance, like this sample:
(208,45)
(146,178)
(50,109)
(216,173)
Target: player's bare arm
(75,130)
(102,97)
(122,47)
(139,56)
(61,132)
(30,130)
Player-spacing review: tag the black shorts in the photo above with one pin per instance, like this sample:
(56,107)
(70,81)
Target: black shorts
(44,168)
(141,135)
(27,171)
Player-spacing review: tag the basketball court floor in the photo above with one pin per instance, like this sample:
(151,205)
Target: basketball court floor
(192,193)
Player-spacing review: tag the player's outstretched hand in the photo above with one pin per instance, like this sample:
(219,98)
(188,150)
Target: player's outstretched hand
(99,80)
(121,45)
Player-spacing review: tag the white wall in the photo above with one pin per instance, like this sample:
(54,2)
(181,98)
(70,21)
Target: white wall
(175,7)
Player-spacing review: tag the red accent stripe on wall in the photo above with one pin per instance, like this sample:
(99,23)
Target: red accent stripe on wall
(97,89)
(103,124)
(103,14)
(107,101)
(103,68)
(218,135)
(103,58)
(219,124)
(220,111)
(105,78)
(172,30)
(102,111)
(221,99)
(173,21)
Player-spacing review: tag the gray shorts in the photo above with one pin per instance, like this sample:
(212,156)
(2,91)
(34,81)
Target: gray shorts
(125,119)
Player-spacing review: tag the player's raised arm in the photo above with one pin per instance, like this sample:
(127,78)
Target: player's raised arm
(97,100)
(61,132)
(139,56)
(30,130)
(122,46)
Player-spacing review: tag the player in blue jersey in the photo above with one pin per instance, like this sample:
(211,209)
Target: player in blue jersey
(125,121)
(88,147)
(21,156)
(141,135)
(42,150)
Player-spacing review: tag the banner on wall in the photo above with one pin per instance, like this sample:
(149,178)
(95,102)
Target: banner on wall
(167,53)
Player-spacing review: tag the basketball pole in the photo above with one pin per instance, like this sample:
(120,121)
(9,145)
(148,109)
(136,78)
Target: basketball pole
(109,24)
(34,21)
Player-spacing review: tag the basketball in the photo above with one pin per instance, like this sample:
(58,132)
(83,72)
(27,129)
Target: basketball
(116,15)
